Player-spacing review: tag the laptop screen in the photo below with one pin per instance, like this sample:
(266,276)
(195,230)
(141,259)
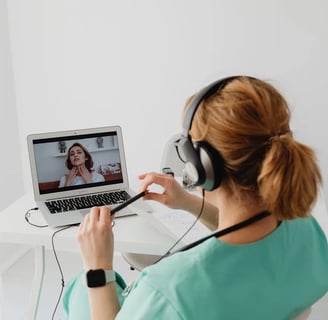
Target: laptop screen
(77,161)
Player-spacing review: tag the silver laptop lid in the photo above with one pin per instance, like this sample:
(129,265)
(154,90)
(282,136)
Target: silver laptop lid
(50,162)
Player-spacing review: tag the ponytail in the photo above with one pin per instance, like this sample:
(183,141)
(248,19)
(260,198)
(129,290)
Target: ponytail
(289,178)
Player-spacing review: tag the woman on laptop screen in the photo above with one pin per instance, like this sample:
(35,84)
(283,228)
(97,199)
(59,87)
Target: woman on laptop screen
(79,163)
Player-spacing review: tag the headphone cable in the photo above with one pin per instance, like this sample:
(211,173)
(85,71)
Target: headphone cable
(59,266)
(27,216)
(168,252)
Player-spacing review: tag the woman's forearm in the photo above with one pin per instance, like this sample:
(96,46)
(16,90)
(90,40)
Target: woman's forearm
(209,216)
(104,304)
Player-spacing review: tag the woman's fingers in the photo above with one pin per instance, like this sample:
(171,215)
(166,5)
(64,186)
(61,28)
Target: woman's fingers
(95,238)
(98,217)
(154,178)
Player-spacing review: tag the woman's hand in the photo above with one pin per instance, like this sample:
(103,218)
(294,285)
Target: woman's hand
(96,239)
(174,195)
(70,176)
(85,174)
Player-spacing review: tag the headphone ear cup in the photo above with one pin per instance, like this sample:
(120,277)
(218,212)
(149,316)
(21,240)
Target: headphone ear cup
(212,163)
(190,157)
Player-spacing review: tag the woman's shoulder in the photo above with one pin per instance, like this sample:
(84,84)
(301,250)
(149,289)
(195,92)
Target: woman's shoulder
(308,225)
(97,177)
(95,173)
(183,266)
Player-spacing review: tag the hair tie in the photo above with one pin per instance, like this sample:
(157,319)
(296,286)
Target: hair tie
(277,136)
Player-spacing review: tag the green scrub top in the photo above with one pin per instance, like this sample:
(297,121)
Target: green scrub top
(275,278)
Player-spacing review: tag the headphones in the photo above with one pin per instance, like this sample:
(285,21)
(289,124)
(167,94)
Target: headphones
(204,165)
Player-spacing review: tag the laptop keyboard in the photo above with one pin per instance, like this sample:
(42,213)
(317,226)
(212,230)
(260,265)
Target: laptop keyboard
(89,201)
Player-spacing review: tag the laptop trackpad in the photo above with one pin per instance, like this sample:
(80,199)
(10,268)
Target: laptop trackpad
(84,212)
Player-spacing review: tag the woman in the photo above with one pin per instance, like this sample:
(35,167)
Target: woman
(272,264)
(79,163)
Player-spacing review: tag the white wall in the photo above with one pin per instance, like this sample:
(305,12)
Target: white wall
(11,181)
(81,63)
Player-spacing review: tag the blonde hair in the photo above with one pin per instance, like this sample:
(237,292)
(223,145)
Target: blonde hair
(248,123)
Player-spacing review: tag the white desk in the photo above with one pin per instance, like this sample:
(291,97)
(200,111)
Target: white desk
(147,233)
(137,234)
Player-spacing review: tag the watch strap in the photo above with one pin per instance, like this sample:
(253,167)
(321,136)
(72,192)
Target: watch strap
(110,276)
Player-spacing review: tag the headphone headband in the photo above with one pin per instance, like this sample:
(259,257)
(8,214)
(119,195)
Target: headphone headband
(200,96)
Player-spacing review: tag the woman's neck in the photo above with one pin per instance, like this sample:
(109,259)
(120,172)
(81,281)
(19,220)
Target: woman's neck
(233,211)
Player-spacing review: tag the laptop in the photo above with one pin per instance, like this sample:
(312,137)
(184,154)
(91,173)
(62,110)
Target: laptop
(75,170)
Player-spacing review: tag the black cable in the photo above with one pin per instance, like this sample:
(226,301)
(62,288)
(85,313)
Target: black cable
(221,233)
(59,266)
(168,252)
(28,215)
(217,234)
(58,263)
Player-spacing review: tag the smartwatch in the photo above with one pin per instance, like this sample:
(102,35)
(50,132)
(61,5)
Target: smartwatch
(99,277)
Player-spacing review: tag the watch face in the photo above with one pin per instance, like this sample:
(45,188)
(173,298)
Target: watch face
(96,278)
